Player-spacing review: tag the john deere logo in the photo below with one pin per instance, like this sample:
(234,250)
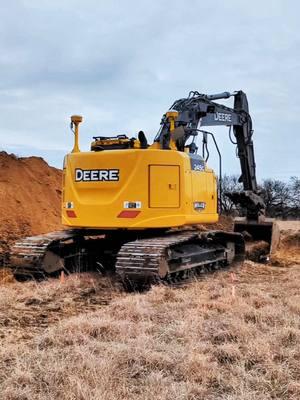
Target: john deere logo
(96,175)
(223,117)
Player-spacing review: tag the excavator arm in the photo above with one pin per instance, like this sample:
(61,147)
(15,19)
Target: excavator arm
(187,115)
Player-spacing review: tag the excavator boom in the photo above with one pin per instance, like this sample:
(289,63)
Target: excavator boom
(200,110)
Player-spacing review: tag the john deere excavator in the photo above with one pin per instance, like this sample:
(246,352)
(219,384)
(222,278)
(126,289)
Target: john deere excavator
(130,207)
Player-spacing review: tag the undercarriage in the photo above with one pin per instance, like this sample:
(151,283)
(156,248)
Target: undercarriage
(138,258)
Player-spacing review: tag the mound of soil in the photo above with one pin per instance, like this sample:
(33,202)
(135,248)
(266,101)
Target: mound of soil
(225,223)
(286,243)
(30,192)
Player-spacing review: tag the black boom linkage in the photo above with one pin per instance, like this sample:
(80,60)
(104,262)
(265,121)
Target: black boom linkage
(198,110)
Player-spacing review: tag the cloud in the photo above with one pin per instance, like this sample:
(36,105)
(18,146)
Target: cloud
(121,64)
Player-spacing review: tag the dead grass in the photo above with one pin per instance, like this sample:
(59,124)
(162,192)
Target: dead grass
(234,335)
(26,309)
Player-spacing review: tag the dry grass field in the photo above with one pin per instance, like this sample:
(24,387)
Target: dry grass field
(232,335)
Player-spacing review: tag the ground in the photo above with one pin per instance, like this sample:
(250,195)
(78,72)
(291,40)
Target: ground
(234,334)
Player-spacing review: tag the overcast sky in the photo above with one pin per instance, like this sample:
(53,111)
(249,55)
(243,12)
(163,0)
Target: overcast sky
(121,64)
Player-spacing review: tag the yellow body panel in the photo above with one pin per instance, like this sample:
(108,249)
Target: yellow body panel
(155,188)
(164,186)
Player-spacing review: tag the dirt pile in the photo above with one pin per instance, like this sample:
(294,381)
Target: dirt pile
(30,193)
(225,223)
(285,248)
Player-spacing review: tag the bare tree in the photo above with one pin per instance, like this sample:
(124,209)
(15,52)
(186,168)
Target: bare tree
(282,199)
(295,196)
(276,195)
(230,183)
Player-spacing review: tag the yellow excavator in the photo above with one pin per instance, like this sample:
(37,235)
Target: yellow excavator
(131,207)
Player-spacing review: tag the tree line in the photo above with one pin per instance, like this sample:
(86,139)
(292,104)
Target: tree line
(282,199)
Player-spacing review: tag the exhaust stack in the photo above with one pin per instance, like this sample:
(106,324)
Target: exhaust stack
(75,121)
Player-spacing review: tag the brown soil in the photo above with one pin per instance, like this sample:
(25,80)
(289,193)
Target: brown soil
(255,251)
(287,248)
(225,223)
(30,192)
